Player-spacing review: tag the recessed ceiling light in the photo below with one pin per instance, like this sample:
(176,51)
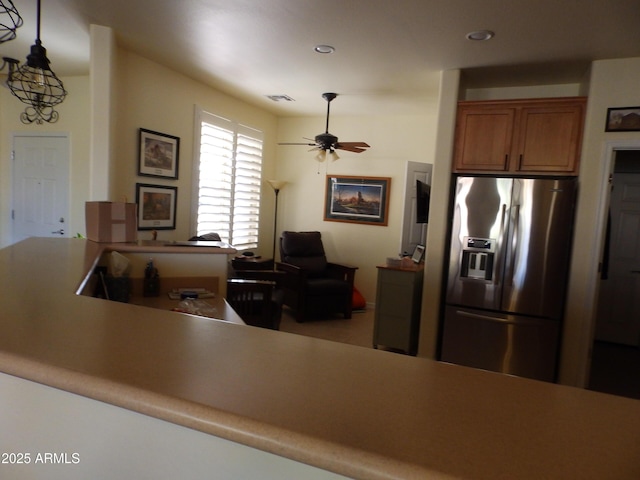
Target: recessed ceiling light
(480,35)
(324,49)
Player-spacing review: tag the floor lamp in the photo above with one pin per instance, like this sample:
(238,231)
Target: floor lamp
(277,186)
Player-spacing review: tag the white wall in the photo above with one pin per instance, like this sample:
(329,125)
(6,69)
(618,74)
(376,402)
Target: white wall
(95,440)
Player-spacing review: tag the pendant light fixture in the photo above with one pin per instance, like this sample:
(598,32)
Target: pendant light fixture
(35,84)
(10,20)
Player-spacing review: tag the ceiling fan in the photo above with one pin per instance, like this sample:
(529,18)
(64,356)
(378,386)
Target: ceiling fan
(328,143)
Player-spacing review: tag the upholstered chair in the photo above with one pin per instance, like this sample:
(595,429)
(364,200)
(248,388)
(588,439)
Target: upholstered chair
(313,287)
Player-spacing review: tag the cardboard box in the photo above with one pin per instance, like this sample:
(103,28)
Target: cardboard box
(111,221)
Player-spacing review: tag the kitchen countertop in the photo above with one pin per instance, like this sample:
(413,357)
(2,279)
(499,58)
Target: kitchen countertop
(360,412)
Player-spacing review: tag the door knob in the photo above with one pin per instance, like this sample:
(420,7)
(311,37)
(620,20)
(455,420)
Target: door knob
(61,231)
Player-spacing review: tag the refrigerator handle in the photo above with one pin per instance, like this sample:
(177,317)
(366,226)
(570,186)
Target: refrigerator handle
(496,319)
(513,235)
(504,213)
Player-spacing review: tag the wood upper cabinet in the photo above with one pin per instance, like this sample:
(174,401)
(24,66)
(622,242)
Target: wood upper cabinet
(524,136)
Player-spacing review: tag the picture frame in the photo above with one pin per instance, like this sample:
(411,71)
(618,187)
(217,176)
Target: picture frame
(418,253)
(623,119)
(159,154)
(156,206)
(356,199)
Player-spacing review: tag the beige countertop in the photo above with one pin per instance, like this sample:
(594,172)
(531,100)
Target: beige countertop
(360,412)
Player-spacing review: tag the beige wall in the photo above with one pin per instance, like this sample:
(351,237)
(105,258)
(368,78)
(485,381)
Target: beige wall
(613,83)
(394,140)
(438,214)
(156,98)
(74,114)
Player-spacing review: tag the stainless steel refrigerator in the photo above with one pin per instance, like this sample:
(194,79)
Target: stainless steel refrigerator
(507,277)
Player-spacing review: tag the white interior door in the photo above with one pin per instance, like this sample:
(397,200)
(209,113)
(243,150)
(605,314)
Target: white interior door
(414,233)
(40,186)
(619,301)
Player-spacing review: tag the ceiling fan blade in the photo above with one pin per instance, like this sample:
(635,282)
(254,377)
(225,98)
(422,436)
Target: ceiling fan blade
(350,149)
(356,147)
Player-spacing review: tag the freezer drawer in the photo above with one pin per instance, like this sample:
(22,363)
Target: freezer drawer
(522,346)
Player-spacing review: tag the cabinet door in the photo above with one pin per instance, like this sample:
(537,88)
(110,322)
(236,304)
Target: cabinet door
(398,303)
(549,139)
(483,139)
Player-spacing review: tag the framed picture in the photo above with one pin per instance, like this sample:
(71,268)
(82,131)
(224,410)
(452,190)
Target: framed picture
(156,207)
(357,199)
(159,154)
(418,253)
(626,119)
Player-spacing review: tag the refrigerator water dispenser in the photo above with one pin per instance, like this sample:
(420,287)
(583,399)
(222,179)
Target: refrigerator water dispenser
(477,258)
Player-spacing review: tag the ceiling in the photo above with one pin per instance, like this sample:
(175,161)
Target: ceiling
(387,53)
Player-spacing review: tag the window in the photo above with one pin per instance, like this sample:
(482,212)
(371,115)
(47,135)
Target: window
(229,180)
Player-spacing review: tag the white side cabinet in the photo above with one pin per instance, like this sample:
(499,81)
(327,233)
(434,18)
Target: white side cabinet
(398,304)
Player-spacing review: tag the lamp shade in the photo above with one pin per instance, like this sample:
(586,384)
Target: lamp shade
(277,184)
(321,156)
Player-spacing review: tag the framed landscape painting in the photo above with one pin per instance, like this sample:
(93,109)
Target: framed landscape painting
(357,199)
(623,119)
(156,207)
(159,154)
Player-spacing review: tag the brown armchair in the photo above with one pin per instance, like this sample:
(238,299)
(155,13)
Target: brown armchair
(312,286)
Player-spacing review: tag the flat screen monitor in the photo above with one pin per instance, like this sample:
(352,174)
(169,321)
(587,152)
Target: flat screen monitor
(423,194)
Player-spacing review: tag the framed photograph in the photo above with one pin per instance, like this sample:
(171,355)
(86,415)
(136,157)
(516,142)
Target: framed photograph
(156,207)
(357,199)
(418,253)
(626,119)
(159,154)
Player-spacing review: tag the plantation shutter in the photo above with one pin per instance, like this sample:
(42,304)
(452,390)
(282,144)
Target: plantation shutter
(230,172)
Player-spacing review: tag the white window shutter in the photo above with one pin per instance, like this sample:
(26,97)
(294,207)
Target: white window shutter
(230,177)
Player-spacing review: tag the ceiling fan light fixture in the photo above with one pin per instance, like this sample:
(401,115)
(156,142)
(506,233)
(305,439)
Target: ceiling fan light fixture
(328,143)
(480,35)
(321,156)
(324,49)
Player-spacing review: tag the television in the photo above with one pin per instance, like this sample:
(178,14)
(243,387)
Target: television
(423,194)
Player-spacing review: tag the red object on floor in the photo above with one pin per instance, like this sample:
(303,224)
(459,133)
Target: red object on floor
(358,301)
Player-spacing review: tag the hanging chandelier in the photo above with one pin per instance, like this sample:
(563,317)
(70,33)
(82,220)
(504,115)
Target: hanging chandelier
(10,20)
(35,84)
